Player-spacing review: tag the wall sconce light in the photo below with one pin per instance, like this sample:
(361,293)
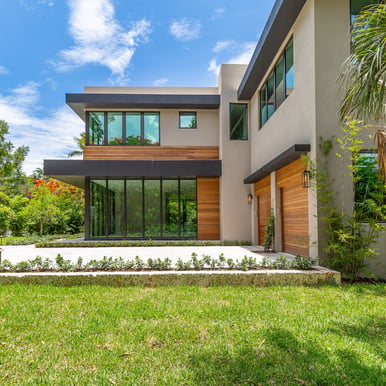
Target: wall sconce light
(250,198)
(306,177)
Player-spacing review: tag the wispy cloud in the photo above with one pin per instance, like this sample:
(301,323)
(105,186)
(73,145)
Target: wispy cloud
(48,137)
(3,70)
(100,39)
(218,12)
(185,30)
(214,67)
(239,54)
(222,46)
(160,82)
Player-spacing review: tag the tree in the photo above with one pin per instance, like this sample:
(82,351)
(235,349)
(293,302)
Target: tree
(81,142)
(364,75)
(11,160)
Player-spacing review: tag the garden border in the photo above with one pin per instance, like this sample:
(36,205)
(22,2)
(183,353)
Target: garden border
(258,278)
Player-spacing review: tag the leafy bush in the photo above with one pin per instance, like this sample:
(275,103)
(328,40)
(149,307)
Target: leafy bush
(269,235)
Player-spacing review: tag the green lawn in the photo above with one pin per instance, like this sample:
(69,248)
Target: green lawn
(193,335)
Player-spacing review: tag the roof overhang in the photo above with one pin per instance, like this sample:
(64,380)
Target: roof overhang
(279,24)
(81,102)
(74,171)
(285,158)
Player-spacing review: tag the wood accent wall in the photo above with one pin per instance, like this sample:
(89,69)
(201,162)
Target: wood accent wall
(294,209)
(208,208)
(151,153)
(263,194)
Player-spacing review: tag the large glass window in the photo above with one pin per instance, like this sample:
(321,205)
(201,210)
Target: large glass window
(238,121)
(134,208)
(143,208)
(116,204)
(370,194)
(114,128)
(108,127)
(151,128)
(96,126)
(278,86)
(97,208)
(133,128)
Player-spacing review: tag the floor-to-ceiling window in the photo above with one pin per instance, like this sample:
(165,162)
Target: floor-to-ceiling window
(143,208)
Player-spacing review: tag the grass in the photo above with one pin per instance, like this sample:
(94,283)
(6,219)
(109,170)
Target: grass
(193,336)
(33,239)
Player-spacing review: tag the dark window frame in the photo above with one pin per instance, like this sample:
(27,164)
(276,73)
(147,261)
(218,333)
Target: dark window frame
(265,84)
(182,113)
(246,121)
(124,133)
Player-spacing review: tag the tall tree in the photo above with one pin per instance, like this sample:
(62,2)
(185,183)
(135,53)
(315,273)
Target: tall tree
(81,142)
(11,160)
(364,75)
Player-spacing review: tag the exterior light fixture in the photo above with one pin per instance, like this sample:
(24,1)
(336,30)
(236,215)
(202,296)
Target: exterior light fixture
(250,198)
(306,177)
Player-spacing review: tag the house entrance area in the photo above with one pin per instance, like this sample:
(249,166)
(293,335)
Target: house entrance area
(141,208)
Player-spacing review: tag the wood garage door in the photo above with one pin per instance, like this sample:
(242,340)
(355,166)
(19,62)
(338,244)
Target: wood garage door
(263,194)
(294,209)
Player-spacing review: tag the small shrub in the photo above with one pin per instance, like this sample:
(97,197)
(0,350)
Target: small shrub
(231,264)
(281,262)
(183,265)
(269,235)
(138,263)
(266,262)
(303,262)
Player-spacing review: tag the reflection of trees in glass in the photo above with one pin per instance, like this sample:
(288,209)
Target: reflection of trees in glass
(152,206)
(370,195)
(97,208)
(151,128)
(114,128)
(170,208)
(116,198)
(134,208)
(96,128)
(188,204)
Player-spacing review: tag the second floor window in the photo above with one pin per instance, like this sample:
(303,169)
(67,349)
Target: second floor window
(278,85)
(118,128)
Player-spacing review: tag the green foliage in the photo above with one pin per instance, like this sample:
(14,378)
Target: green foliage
(364,72)
(350,241)
(269,235)
(11,160)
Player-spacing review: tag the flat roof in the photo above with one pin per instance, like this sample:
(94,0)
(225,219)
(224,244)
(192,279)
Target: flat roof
(81,102)
(280,21)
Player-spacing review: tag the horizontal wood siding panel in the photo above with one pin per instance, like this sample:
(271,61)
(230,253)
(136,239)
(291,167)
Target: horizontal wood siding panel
(263,186)
(294,204)
(151,153)
(208,208)
(290,174)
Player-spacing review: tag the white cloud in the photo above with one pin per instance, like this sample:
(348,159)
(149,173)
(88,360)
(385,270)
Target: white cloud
(242,54)
(218,12)
(214,67)
(100,39)
(47,137)
(222,46)
(185,30)
(160,82)
(3,70)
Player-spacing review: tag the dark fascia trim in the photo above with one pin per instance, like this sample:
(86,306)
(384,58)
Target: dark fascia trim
(132,168)
(81,102)
(285,158)
(280,21)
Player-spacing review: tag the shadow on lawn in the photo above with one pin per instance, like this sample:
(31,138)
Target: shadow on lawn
(280,358)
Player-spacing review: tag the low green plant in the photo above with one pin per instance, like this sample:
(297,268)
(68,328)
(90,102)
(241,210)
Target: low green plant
(183,265)
(62,264)
(280,262)
(303,262)
(269,235)
(266,262)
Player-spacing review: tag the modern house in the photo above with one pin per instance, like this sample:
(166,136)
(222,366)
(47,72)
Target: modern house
(211,163)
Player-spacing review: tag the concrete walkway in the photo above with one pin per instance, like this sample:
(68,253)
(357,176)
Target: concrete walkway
(25,252)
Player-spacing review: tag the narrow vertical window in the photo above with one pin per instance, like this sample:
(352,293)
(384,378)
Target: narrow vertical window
(279,82)
(170,211)
(114,128)
(152,208)
(263,106)
(188,208)
(289,68)
(238,121)
(151,128)
(134,208)
(270,96)
(96,123)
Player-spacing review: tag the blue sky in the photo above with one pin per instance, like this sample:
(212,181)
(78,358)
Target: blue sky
(53,47)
